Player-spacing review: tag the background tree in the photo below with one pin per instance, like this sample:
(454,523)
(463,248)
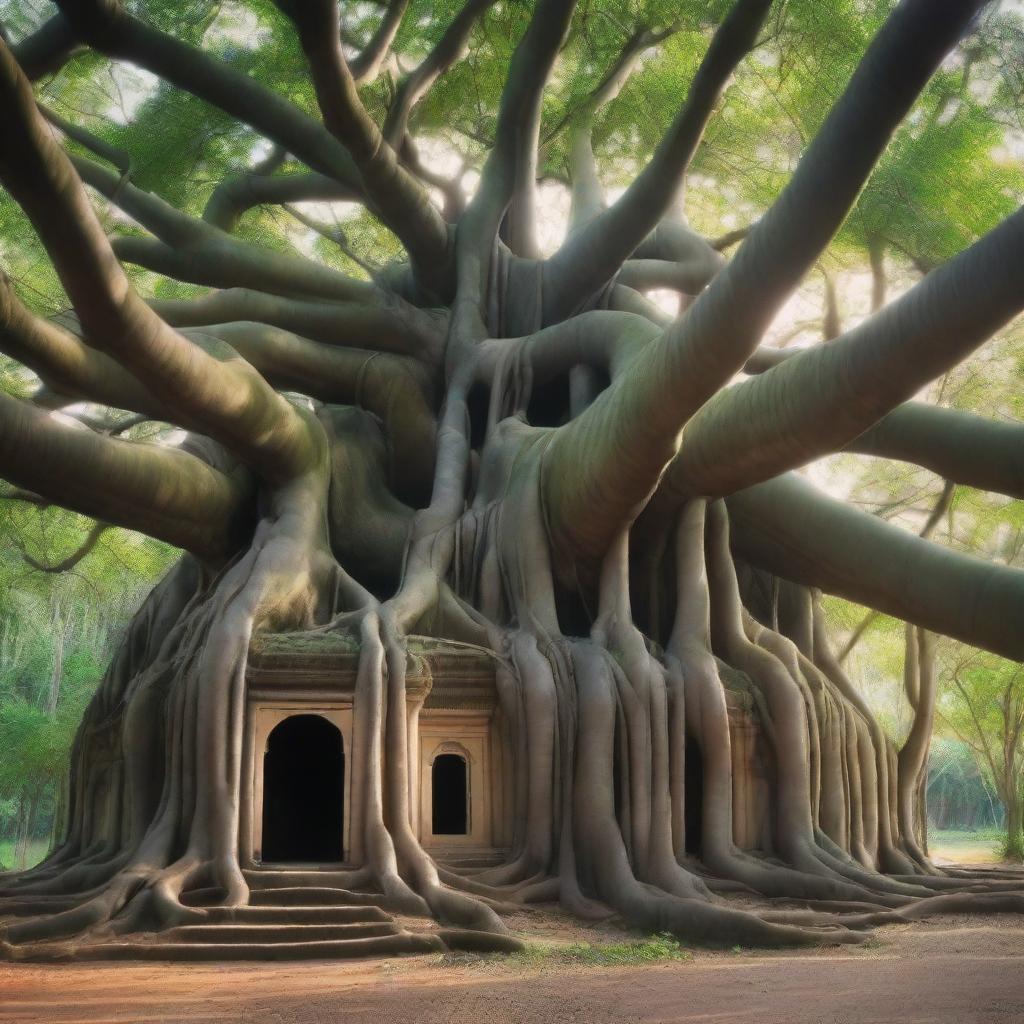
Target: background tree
(66,602)
(959,796)
(984,707)
(430,415)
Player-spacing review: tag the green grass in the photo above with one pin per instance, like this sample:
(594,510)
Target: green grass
(36,851)
(619,954)
(953,835)
(982,846)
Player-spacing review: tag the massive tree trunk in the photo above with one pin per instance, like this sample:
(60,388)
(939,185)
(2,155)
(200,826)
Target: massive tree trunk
(502,450)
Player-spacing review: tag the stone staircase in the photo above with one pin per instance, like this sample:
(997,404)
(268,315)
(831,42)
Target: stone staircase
(292,915)
(467,859)
(302,914)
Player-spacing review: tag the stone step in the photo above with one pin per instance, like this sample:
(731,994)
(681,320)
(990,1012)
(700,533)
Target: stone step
(286,878)
(470,856)
(401,944)
(308,896)
(323,914)
(212,934)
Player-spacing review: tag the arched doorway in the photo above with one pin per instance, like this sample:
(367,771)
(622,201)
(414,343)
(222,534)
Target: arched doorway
(303,791)
(450,795)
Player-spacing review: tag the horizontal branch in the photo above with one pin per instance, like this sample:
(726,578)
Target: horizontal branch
(687,276)
(216,263)
(65,364)
(789,528)
(239,193)
(959,446)
(940,509)
(389,325)
(600,339)
(198,252)
(163,492)
(823,398)
(396,389)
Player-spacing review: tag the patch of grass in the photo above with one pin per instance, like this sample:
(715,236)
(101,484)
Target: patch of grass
(953,835)
(980,846)
(618,954)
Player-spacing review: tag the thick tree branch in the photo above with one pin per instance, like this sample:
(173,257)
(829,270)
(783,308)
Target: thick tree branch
(107,27)
(229,401)
(217,264)
(48,49)
(644,275)
(400,200)
(389,325)
(163,492)
(198,252)
(511,165)
(960,446)
(823,398)
(672,240)
(795,531)
(599,339)
(65,363)
(450,49)
(968,449)
(238,194)
(396,389)
(367,64)
(592,255)
(940,508)
(602,467)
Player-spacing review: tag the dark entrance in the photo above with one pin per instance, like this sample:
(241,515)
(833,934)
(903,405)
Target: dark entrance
(303,791)
(448,785)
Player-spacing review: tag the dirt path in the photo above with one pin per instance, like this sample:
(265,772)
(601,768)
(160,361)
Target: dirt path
(955,970)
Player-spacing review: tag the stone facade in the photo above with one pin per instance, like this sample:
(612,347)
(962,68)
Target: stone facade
(459,744)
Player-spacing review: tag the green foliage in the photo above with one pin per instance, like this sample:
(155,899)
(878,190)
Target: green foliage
(656,948)
(983,705)
(57,634)
(959,795)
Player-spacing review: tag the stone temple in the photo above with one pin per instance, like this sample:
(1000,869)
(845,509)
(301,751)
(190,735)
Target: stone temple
(299,759)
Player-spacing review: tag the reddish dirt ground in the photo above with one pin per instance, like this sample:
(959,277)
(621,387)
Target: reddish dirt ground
(960,970)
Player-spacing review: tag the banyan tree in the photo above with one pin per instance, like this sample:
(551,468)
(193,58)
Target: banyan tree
(484,444)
